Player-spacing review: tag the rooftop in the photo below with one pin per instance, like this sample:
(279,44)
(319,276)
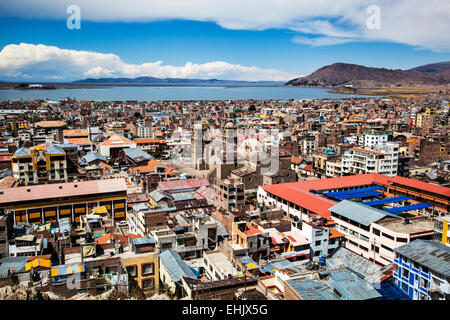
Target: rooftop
(430,254)
(58,190)
(415,225)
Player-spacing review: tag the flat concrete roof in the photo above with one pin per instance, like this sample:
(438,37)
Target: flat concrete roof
(414,225)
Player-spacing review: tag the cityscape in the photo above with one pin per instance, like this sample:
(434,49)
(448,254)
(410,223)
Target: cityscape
(324,180)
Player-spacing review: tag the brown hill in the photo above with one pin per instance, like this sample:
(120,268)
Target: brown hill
(341,74)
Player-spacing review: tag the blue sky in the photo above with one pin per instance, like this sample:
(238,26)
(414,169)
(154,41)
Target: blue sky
(248,52)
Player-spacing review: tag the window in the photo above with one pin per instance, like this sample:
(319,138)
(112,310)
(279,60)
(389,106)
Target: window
(402,240)
(405,273)
(405,287)
(416,265)
(147,269)
(376,231)
(131,271)
(147,283)
(388,236)
(318,243)
(425,269)
(423,283)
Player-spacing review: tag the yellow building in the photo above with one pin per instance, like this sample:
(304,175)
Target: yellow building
(142,264)
(40,164)
(50,202)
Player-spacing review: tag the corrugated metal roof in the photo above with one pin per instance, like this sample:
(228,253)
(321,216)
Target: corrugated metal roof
(53,149)
(175,266)
(90,157)
(350,286)
(143,241)
(360,213)
(430,254)
(134,153)
(22,152)
(344,257)
(12,263)
(312,290)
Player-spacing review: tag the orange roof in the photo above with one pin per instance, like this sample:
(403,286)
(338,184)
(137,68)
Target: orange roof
(50,124)
(296,160)
(150,167)
(148,140)
(134,236)
(335,234)
(76,132)
(445,191)
(109,237)
(115,139)
(80,141)
(104,165)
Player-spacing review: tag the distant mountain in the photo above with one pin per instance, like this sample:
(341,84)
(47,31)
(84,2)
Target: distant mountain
(439,70)
(341,74)
(153,80)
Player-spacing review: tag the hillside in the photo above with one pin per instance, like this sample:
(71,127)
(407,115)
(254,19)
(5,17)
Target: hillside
(340,74)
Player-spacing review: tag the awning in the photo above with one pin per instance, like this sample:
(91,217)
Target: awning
(39,262)
(28,237)
(67,270)
(411,207)
(99,210)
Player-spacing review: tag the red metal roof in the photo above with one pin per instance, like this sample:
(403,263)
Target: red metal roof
(251,231)
(299,192)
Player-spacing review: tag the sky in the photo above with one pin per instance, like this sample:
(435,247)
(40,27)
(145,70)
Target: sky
(250,40)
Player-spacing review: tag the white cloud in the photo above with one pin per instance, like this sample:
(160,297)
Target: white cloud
(321,41)
(425,24)
(50,61)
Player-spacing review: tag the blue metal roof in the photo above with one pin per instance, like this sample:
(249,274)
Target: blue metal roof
(390,291)
(312,290)
(352,287)
(12,263)
(54,149)
(348,192)
(409,207)
(143,241)
(91,156)
(134,153)
(359,195)
(387,200)
(175,266)
(22,152)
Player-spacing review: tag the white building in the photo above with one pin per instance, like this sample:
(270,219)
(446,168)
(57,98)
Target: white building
(372,138)
(382,158)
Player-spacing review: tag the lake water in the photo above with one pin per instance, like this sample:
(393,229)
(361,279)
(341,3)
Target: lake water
(175,93)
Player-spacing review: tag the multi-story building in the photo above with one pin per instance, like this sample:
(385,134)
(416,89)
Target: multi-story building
(40,164)
(50,202)
(189,240)
(142,263)
(229,194)
(372,138)
(374,233)
(422,270)
(383,159)
(144,132)
(441,230)
(249,240)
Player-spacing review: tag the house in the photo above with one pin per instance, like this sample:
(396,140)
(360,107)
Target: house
(172,269)
(423,270)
